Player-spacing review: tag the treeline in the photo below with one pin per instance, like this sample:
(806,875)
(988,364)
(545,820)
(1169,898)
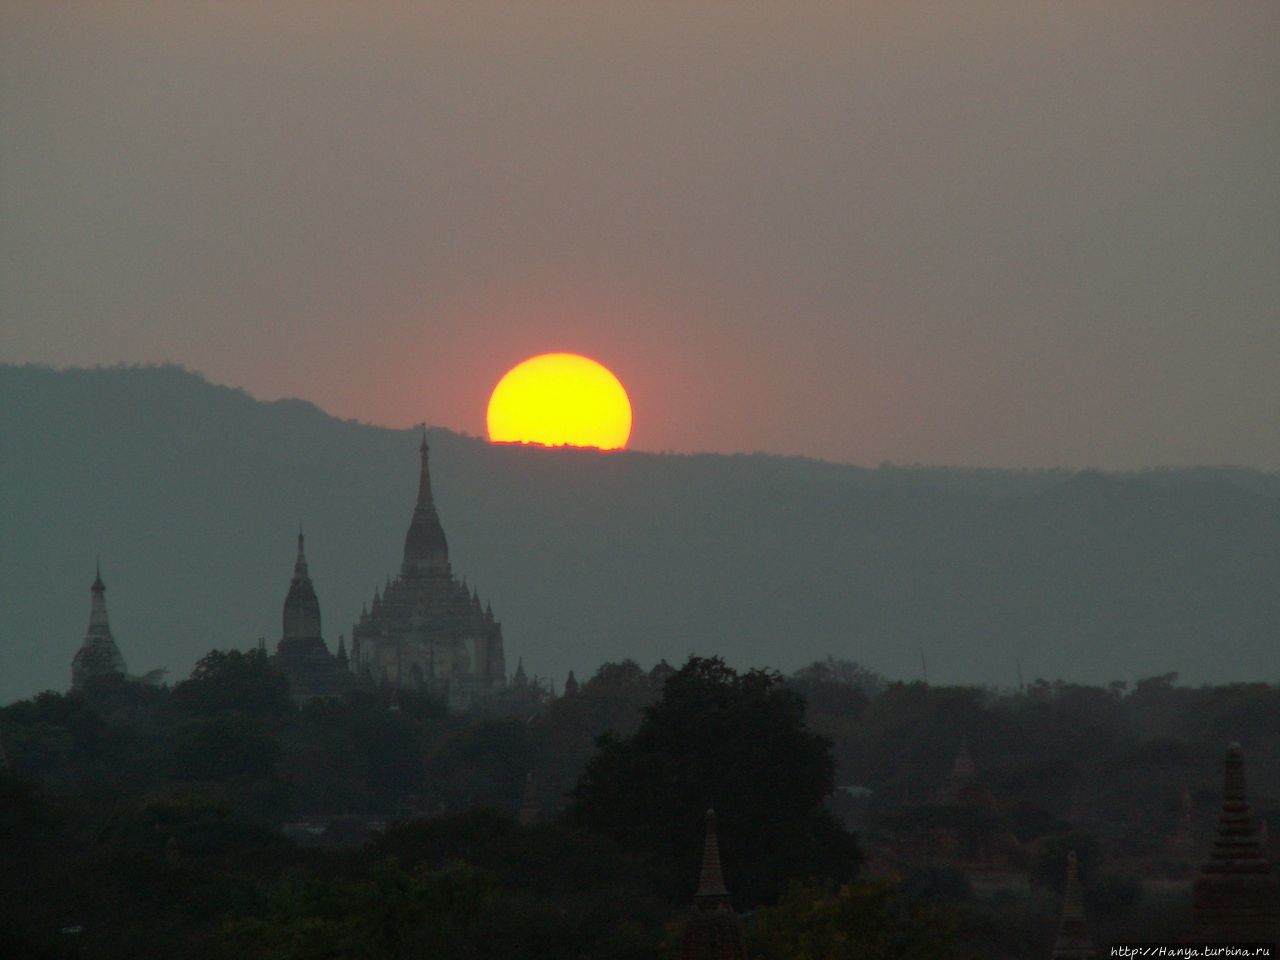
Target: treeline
(217,819)
(1117,759)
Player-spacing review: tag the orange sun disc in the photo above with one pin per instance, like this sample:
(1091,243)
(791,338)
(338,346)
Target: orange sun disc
(560,399)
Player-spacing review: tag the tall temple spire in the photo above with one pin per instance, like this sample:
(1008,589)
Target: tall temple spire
(98,654)
(712,932)
(98,604)
(1237,895)
(301,616)
(1073,941)
(424,630)
(711,878)
(300,564)
(426,551)
(301,655)
(424,475)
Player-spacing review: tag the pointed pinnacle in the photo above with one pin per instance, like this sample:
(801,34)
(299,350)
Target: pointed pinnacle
(711,880)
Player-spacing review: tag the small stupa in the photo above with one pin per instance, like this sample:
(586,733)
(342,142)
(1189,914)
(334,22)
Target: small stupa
(1237,895)
(712,932)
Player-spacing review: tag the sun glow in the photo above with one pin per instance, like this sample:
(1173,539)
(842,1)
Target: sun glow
(560,399)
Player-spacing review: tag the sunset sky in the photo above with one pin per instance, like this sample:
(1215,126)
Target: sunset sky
(988,233)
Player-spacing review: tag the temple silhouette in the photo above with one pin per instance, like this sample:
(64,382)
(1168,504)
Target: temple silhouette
(426,631)
(98,655)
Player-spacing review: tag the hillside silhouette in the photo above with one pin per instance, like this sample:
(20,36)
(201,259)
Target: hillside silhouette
(191,494)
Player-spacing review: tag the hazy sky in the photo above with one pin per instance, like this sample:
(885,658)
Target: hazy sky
(1005,233)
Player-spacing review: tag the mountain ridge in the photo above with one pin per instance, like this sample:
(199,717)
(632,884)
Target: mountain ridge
(192,492)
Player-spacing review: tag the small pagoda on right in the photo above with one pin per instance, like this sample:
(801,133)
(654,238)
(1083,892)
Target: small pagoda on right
(712,932)
(1237,894)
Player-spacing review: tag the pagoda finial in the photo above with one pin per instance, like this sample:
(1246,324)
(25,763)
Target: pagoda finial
(426,550)
(98,604)
(301,617)
(424,474)
(1073,941)
(300,564)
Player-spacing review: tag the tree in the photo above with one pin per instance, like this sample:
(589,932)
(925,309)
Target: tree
(226,680)
(736,742)
(858,921)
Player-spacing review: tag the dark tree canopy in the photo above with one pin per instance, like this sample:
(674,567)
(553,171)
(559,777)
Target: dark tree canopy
(233,680)
(736,742)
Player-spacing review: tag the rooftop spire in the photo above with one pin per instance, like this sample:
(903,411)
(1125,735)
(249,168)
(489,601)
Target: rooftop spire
(98,624)
(424,473)
(98,654)
(1235,847)
(712,931)
(711,880)
(1237,896)
(300,564)
(301,618)
(1073,941)
(426,551)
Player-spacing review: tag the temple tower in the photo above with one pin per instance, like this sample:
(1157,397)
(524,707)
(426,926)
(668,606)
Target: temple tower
(301,655)
(426,551)
(301,617)
(425,630)
(1073,941)
(1237,895)
(712,932)
(98,655)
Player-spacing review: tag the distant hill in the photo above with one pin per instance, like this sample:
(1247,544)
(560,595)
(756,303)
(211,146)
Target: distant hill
(191,494)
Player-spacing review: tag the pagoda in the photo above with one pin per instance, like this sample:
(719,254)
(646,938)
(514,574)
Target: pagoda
(426,631)
(1073,941)
(1237,894)
(98,655)
(301,655)
(712,932)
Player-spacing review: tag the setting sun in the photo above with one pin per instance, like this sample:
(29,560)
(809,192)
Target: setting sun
(560,399)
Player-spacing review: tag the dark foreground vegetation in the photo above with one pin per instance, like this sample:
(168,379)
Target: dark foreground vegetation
(216,819)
